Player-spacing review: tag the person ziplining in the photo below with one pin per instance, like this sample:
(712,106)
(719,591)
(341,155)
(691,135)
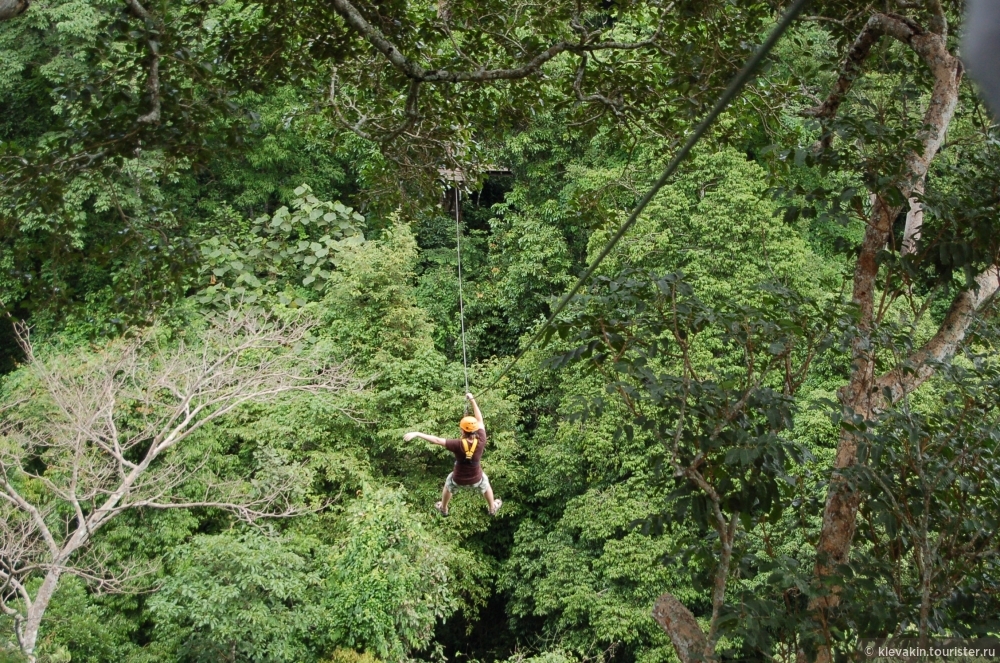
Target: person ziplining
(468,450)
(469,447)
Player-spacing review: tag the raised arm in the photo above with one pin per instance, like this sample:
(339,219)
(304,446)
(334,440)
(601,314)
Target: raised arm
(430,438)
(475,410)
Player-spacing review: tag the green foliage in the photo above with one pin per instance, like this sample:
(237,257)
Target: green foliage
(87,630)
(248,596)
(717,224)
(708,397)
(288,249)
(381,585)
(342,655)
(371,306)
(592,575)
(388,579)
(930,523)
(714,336)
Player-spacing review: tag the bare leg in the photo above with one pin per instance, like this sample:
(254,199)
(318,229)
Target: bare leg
(490,502)
(445,498)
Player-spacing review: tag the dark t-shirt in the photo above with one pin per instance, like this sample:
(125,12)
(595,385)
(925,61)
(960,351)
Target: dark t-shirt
(467,472)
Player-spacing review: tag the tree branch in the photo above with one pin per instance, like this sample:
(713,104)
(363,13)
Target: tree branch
(245,512)
(915,370)
(914,222)
(139,11)
(153,79)
(947,71)
(939,22)
(412,113)
(613,104)
(414,71)
(878,25)
(153,87)
(726,537)
(680,625)
(32,511)
(9,579)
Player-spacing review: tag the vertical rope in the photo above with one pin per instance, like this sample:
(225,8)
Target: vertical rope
(461,302)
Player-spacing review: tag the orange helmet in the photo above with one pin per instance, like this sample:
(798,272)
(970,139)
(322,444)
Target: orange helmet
(469,424)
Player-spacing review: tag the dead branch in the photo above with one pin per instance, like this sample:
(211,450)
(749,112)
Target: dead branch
(110,423)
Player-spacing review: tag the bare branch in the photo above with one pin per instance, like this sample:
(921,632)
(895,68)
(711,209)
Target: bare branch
(248,512)
(823,19)
(88,412)
(7,492)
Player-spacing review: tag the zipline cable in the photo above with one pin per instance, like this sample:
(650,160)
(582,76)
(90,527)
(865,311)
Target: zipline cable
(734,88)
(461,303)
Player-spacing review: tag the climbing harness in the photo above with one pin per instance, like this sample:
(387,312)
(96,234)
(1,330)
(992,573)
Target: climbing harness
(734,88)
(461,302)
(469,446)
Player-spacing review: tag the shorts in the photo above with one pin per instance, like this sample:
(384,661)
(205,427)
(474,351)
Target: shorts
(482,486)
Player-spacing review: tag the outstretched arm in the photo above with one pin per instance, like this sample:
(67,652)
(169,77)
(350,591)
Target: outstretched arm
(475,410)
(430,438)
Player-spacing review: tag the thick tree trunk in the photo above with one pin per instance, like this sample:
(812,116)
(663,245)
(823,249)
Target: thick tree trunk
(864,393)
(861,395)
(840,512)
(678,622)
(35,613)
(11,8)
